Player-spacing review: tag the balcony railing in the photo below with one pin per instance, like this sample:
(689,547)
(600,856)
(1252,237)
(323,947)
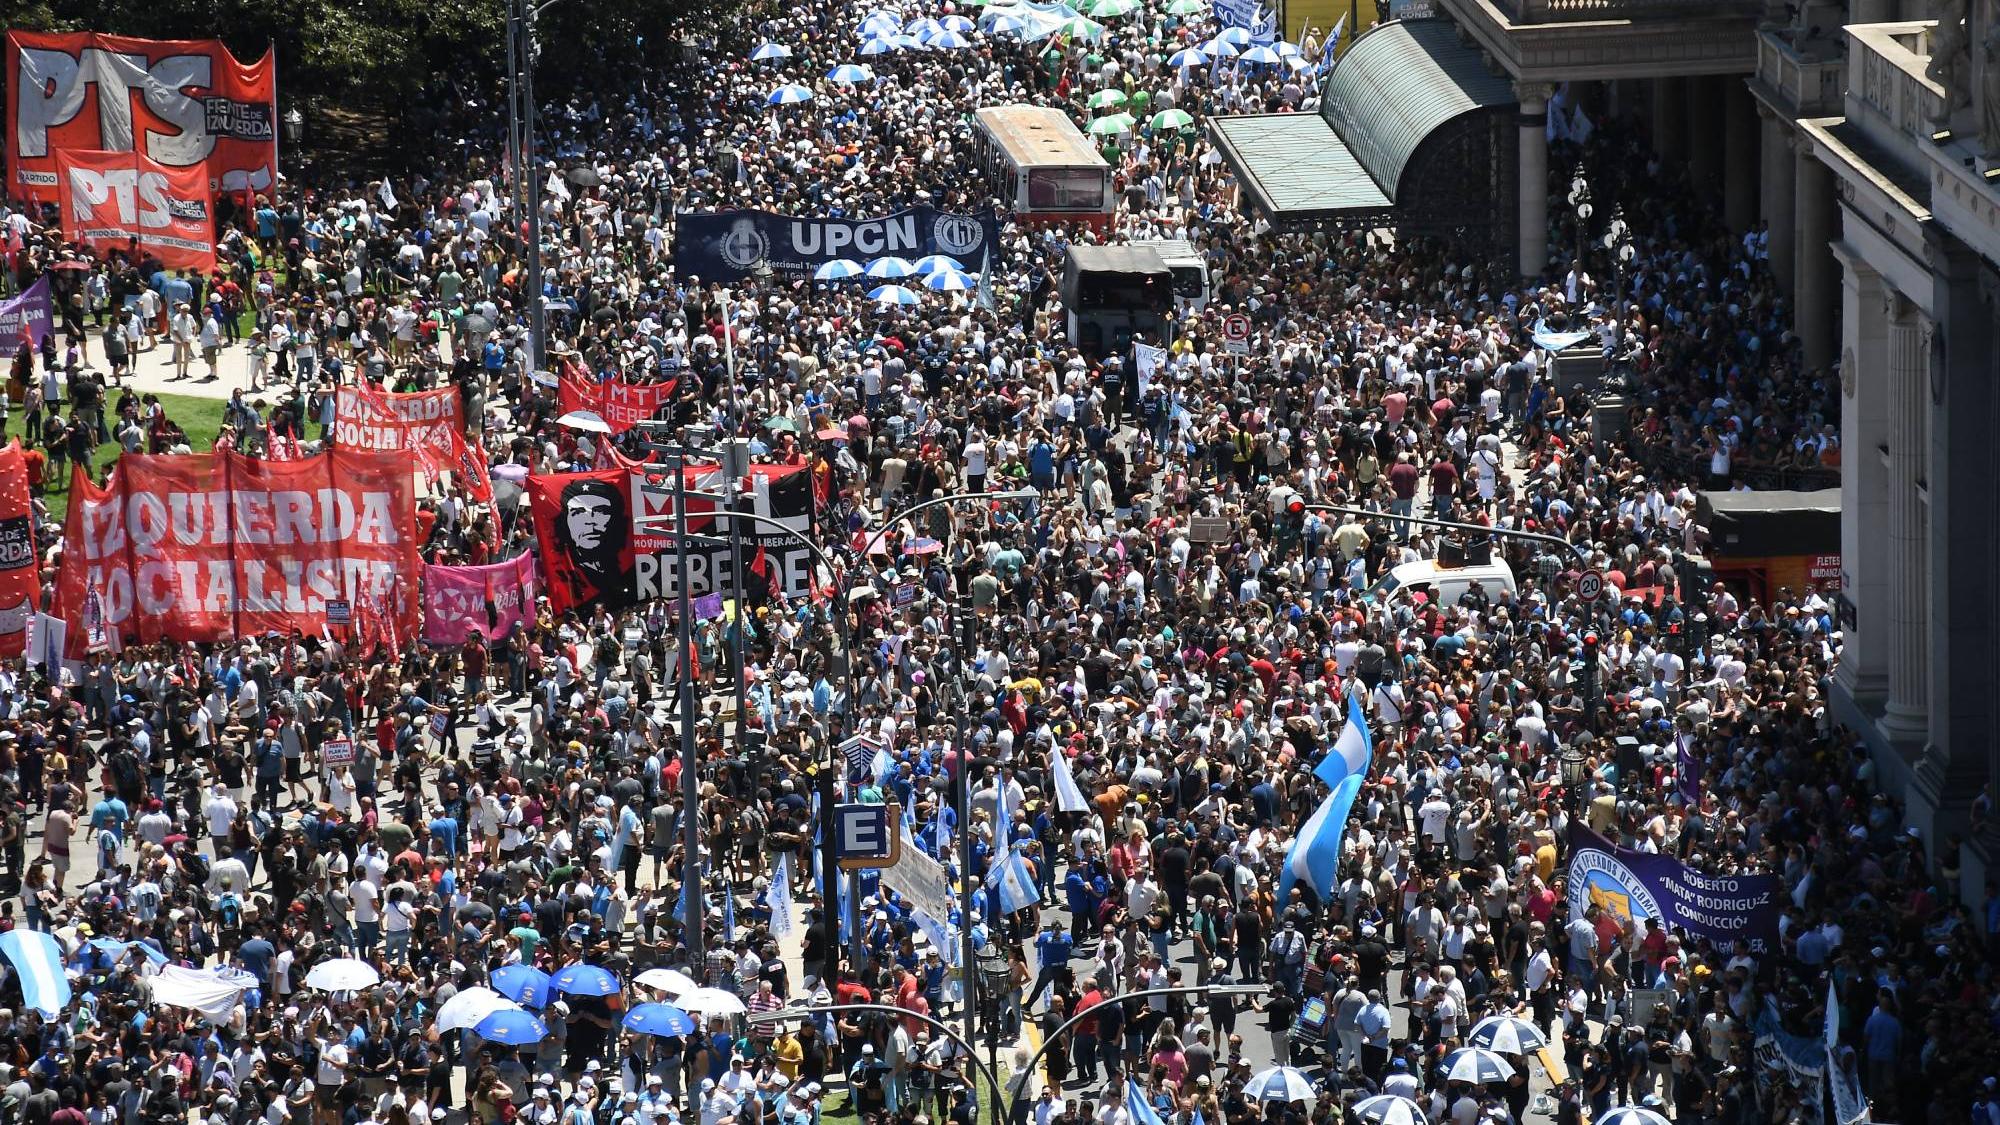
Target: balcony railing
(1807,73)
(1575,11)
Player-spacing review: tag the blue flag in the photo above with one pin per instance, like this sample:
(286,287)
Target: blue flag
(1142,1111)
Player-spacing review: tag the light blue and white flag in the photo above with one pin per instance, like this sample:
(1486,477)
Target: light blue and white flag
(1012,884)
(779,898)
(38,960)
(729,914)
(1142,1111)
(1352,751)
(1315,852)
(1069,797)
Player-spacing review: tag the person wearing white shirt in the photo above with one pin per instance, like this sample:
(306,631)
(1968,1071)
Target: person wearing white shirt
(219,811)
(183,329)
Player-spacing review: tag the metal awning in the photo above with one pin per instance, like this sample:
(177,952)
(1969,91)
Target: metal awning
(1295,166)
(1400,84)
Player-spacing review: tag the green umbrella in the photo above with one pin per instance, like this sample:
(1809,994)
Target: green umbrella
(781,422)
(1079,27)
(1112,9)
(1188,8)
(1172,119)
(1111,126)
(1106,99)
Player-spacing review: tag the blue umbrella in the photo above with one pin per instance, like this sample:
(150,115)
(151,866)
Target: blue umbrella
(1263,55)
(1220,48)
(931,263)
(1005,23)
(950,281)
(879,24)
(663,1020)
(1189,57)
(523,984)
(910,42)
(948,41)
(788,94)
(1288,50)
(880,47)
(512,1027)
(840,269)
(586,980)
(890,268)
(893,295)
(922,28)
(956,23)
(766,51)
(850,73)
(1235,36)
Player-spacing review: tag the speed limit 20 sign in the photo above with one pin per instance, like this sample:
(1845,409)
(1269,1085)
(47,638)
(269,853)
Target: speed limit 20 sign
(1590,585)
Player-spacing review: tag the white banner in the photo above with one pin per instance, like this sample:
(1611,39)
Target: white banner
(921,879)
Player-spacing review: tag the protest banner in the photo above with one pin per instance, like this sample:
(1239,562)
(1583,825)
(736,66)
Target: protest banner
(1636,884)
(462,602)
(114,202)
(337,752)
(179,103)
(20,574)
(220,546)
(731,245)
(26,319)
(427,427)
(622,405)
(600,544)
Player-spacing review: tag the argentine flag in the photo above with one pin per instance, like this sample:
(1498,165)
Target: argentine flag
(1139,1107)
(38,962)
(1012,884)
(1315,854)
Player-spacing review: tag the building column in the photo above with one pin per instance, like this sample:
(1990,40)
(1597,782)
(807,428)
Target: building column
(1739,190)
(1906,719)
(1670,118)
(1813,269)
(1865,562)
(1704,147)
(1778,196)
(1534,216)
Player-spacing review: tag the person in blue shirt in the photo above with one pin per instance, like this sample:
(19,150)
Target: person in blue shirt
(1054,948)
(1883,1034)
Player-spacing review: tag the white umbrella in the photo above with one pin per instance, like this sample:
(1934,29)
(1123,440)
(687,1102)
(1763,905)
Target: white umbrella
(1188,57)
(1389,1109)
(791,93)
(947,41)
(951,281)
(711,1002)
(1509,1035)
(770,51)
(1633,1115)
(890,267)
(673,982)
(587,420)
(343,974)
(1476,1065)
(880,47)
(840,269)
(1263,55)
(1280,1084)
(957,23)
(894,295)
(468,1006)
(1235,36)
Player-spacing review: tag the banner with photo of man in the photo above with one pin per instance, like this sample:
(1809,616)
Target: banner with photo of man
(1634,884)
(731,245)
(603,539)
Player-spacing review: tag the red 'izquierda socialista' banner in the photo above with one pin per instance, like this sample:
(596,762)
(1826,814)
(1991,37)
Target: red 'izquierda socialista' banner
(213,546)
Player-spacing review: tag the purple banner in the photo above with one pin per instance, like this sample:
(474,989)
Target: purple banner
(463,602)
(1635,884)
(1687,770)
(29,317)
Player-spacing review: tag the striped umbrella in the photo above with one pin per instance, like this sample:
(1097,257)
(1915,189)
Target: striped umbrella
(1476,1065)
(893,295)
(840,269)
(1263,55)
(1189,57)
(1188,8)
(890,268)
(1220,48)
(1235,36)
(932,263)
(1112,125)
(1509,1035)
(951,281)
(790,93)
(1171,119)
(766,51)
(880,47)
(879,24)
(948,41)
(959,24)
(1106,99)
(1389,1109)
(1633,1115)
(850,73)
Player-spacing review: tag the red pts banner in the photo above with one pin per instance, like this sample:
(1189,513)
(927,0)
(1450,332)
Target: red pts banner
(114,200)
(187,103)
(20,578)
(214,546)
(622,405)
(426,427)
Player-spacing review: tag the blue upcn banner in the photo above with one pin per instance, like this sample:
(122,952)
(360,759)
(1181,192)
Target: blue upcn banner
(1720,908)
(729,245)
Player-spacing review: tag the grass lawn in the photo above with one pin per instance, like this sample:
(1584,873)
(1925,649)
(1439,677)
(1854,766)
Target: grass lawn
(200,417)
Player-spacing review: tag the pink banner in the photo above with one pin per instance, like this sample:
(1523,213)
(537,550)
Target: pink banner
(463,602)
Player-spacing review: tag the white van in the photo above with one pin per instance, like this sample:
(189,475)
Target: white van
(1442,585)
(1189,267)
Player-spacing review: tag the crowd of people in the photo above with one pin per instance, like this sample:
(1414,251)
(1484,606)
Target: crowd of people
(519,803)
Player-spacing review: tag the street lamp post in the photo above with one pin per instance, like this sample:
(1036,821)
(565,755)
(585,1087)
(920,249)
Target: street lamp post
(1455,525)
(826,781)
